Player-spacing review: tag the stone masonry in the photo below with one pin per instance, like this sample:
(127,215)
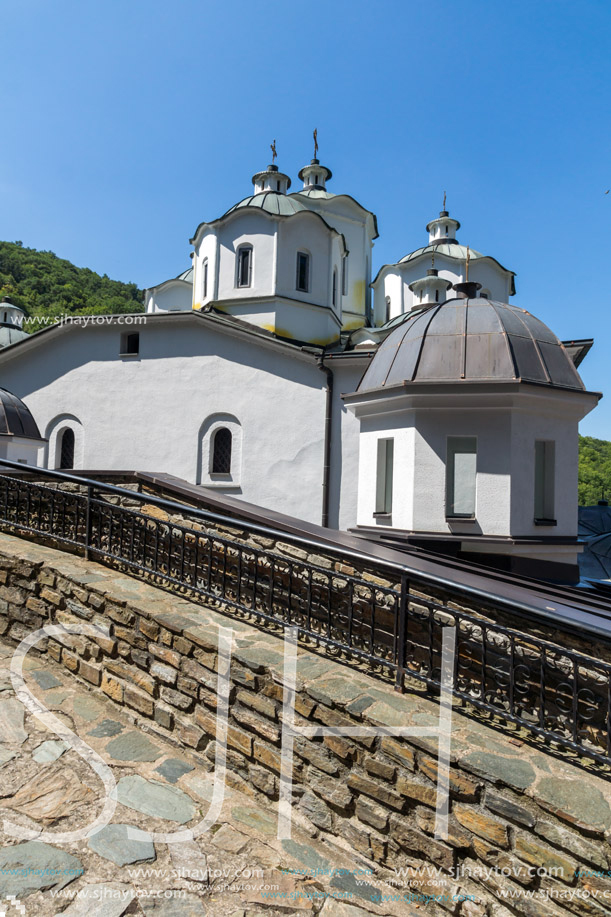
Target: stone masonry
(530,831)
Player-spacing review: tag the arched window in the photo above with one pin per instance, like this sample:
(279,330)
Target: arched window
(221,451)
(66,456)
(244,266)
(344,275)
(205,280)
(303,272)
(387,301)
(334,293)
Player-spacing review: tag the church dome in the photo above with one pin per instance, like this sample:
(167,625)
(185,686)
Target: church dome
(272,202)
(15,417)
(471,340)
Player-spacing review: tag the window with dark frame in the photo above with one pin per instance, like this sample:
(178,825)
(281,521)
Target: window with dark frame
(334,291)
(384,475)
(221,451)
(205,283)
(66,455)
(303,272)
(344,275)
(545,473)
(461,477)
(130,343)
(244,278)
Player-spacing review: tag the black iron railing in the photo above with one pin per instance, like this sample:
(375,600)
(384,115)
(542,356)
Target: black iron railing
(554,693)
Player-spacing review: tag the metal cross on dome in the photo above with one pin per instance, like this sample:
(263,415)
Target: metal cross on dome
(315,135)
(273,149)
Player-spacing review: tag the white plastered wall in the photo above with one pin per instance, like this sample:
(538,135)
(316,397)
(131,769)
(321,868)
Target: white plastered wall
(147,412)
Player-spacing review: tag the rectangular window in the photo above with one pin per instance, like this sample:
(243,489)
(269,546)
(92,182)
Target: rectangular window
(344,275)
(205,283)
(545,462)
(130,344)
(244,267)
(384,476)
(303,272)
(461,472)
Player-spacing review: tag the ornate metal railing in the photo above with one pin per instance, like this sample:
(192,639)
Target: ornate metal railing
(554,693)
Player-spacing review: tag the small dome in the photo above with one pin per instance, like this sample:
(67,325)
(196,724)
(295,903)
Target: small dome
(11,334)
(471,340)
(186,275)
(15,417)
(271,201)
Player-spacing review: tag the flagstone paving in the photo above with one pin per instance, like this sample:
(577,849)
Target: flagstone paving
(123,868)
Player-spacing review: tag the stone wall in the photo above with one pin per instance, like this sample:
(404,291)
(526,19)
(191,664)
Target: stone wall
(516,810)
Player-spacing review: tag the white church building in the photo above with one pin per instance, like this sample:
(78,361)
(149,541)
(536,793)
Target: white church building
(420,408)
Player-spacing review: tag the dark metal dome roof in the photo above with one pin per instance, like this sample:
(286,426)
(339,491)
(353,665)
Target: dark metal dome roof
(272,202)
(15,417)
(471,340)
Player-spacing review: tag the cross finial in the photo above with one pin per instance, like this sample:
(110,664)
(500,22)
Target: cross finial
(315,135)
(444,201)
(273,149)
(468,259)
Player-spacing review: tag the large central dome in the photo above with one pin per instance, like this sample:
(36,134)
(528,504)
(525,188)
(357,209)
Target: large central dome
(471,340)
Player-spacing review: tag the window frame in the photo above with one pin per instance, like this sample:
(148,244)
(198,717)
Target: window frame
(544,502)
(126,346)
(205,278)
(61,438)
(215,472)
(303,254)
(241,251)
(385,460)
(451,499)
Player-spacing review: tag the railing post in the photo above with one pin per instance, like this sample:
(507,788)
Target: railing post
(88,521)
(402,634)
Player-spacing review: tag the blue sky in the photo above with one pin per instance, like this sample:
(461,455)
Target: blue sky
(127,123)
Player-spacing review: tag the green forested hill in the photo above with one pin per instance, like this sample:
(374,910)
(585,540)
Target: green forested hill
(43,284)
(594,470)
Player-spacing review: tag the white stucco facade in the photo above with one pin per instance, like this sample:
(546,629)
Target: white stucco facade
(158,410)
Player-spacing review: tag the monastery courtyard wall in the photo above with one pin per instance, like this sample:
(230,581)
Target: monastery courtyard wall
(529,830)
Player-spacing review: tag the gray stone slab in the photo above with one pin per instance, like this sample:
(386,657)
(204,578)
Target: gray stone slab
(12,715)
(173,769)
(45,679)
(133,746)
(230,840)
(104,900)
(575,801)
(49,751)
(189,861)
(87,708)
(56,697)
(106,729)
(116,843)
(512,770)
(6,756)
(306,855)
(355,888)
(156,799)
(255,818)
(189,906)
(26,868)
